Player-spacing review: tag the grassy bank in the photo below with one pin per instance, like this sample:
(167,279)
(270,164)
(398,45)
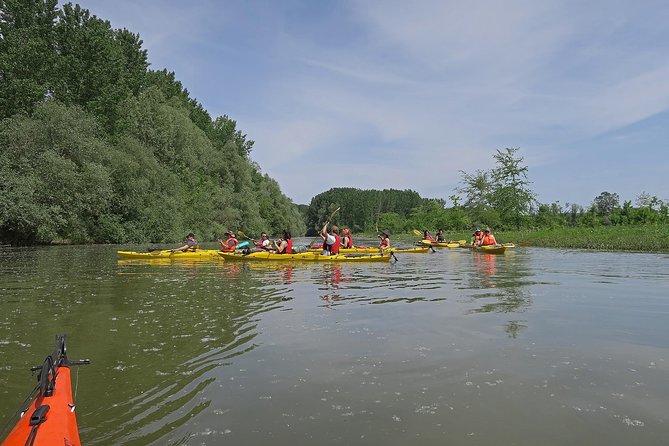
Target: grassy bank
(608,238)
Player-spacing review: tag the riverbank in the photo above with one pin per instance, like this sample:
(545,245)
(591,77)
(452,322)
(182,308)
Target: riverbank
(605,238)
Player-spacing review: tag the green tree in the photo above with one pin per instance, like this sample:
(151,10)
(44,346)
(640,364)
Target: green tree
(511,196)
(27,54)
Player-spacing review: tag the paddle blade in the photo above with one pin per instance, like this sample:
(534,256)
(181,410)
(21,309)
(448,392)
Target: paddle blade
(417,232)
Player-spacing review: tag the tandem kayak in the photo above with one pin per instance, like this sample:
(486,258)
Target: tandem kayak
(201,254)
(440,244)
(308,256)
(50,418)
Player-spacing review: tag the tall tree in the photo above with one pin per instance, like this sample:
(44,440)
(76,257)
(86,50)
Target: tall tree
(27,54)
(512,196)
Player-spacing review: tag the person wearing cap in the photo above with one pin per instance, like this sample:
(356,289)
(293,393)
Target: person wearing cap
(488,238)
(285,245)
(331,240)
(191,244)
(385,239)
(346,239)
(230,243)
(476,237)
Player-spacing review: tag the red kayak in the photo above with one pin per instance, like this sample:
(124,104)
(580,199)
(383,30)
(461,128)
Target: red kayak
(50,418)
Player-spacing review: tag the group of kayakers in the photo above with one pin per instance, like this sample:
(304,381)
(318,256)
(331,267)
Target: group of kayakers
(332,240)
(478,238)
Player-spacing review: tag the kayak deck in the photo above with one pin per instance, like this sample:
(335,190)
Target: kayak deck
(204,254)
(50,418)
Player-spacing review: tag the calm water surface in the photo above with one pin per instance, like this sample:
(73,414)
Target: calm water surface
(536,346)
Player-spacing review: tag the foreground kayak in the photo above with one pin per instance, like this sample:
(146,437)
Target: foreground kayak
(203,254)
(440,244)
(308,256)
(372,250)
(50,418)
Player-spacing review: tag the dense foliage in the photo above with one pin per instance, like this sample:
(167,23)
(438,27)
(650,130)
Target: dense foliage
(98,148)
(366,210)
(500,198)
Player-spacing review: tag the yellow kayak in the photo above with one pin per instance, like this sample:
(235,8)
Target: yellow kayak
(309,256)
(490,249)
(440,244)
(372,250)
(200,254)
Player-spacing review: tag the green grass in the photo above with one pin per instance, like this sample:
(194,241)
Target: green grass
(606,238)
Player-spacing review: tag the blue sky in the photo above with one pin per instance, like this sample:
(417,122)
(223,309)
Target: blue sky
(397,94)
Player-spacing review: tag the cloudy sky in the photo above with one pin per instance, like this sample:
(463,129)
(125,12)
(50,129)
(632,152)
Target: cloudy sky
(396,94)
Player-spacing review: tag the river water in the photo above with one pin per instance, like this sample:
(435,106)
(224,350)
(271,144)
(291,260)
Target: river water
(532,347)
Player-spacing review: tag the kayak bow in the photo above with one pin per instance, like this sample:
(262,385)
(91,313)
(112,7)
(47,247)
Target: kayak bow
(50,418)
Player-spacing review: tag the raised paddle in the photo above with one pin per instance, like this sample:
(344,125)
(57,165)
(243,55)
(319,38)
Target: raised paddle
(332,214)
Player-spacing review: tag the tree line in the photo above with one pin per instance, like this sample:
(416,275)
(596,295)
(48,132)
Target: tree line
(500,198)
(96,147)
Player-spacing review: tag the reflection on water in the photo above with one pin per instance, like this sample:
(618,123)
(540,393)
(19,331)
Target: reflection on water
(414,352)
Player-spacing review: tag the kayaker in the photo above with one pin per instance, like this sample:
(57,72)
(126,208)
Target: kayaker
(346,239)
(264,242)
(427,236)
(230,243)
(476,237)
(191,244)
(488,238)
(440,236)
(285,245)
(331,240)
(385,240)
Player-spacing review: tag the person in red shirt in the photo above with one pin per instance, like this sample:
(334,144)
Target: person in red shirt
(488,238)
(285,245)
(427,236)
(385,240)
(346,239)
(230,243)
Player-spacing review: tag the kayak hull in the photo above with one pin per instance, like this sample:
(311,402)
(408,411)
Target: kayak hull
(440,244)
(490,249)
(202,254)
(308,256)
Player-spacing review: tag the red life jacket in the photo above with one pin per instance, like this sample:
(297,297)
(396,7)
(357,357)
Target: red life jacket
(229,245)
(334,248)
(350,242)
(289,247)
(488,239)
(384,243)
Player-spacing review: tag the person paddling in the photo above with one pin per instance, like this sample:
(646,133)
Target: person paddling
(331,240)
(346,239)
(385,240)
(230,243)
(440,236)
(427,236)
(285,245)
(488,238)
(191,244)
(476,237)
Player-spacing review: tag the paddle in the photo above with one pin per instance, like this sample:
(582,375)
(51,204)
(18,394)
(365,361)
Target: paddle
(241,234)
(417,232)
